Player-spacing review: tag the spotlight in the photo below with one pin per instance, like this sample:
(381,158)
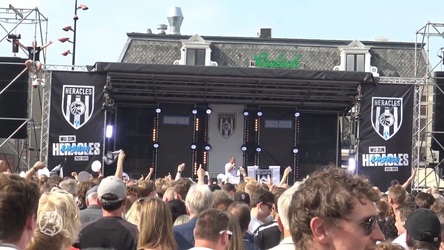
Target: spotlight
(295,150)
(209,111)
(66,53)
(297,114)
(244,148)
(193,146)
(246,113)
(359,98)
(67,28)
(64,39)
(83,7)
(258,149)
(259,113)
(207,147)
(194,111)
(351,164)
(156,145)
(158,110)
(358,117)
(109,131)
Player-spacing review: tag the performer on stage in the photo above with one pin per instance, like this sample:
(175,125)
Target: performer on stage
(34,57)
(231,171)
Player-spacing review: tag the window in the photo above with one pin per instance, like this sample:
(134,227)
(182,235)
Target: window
(196,57)
(355,62)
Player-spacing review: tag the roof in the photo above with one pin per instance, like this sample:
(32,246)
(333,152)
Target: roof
(306,90)
(393,59)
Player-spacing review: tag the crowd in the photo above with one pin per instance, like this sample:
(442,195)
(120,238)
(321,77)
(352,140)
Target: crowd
(331,209)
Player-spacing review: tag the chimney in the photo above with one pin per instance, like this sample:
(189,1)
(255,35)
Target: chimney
(175,19)
(149,31)
(162,28)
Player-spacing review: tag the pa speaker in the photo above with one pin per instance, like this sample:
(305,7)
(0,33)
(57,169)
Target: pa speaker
(14,101)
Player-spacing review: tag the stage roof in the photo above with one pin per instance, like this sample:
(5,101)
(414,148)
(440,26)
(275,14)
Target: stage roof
(309,90)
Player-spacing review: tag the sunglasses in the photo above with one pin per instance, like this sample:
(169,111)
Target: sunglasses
(229,233)
(141,200)
(368,224)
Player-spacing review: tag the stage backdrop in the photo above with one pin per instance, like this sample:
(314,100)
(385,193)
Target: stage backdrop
(175,137)
(226,135)
(385,133)
(77,120)
(277,137)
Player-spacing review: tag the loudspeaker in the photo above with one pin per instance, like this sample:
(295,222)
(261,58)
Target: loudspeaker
(14,101)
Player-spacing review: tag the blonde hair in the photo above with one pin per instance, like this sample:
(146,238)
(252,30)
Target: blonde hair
(236,242)
(184,218)
(59,203)
(42,241)
(155,226)
(132,214)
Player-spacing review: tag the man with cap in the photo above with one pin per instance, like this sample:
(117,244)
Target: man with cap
(423,230)
(93,211)
(111,231)
(242,197)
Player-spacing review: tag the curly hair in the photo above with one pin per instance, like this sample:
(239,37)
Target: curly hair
(329,194)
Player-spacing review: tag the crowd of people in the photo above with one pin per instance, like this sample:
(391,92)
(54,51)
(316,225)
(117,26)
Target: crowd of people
(331,209)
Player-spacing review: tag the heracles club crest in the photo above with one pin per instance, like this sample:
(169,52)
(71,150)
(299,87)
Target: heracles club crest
(227,124)
(386,116)
(77,104)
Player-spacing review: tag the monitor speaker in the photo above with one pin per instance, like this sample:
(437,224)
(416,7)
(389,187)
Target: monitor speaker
(14,100)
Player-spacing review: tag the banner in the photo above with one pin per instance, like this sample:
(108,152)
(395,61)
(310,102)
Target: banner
(385,133)
(226,135)
(76,121)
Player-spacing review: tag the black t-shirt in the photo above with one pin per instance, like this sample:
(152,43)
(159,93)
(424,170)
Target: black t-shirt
(108,233)
(268,235)
(35,51)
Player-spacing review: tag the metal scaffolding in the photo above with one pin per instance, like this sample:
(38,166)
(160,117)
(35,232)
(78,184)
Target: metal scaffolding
(422,132)
(20,16)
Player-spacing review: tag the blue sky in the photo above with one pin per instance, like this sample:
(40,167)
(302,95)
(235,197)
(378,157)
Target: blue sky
(102,29)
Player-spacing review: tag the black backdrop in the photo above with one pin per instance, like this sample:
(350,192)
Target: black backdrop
(14,101)
(80,140)
(175,140)
(318,141)
(277,143)
(377,155)
(134,135)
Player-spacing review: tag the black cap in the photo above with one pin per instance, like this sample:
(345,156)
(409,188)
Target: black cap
(242,197)
(214,187)
(423,221)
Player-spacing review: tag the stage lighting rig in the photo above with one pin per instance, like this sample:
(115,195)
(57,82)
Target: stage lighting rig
(246,113)
(158,110)
(259,113)
(15,42)
(258,149)
(18,13)
(194,111)
(297,114)
(193,146)
(156,145)
(109,131)
(207,147)
(244,148)
(295,150)
(209,111)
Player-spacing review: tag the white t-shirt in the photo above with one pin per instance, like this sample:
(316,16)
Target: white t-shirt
(231,175)
(254,224)
(401,240)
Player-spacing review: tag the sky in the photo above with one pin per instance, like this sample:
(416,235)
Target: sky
(101,30)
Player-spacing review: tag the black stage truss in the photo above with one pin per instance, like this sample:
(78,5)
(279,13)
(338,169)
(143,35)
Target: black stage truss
(306,90)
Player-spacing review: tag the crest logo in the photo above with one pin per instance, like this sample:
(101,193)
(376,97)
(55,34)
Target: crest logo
(77,104)
(227,124)
(386,116)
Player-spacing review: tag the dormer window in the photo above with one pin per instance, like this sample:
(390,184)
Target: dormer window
(195,51)
(356,57)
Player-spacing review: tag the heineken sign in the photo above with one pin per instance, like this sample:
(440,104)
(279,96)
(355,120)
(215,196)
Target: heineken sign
(281,62)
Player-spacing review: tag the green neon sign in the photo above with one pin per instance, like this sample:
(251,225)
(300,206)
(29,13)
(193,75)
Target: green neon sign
(281,62)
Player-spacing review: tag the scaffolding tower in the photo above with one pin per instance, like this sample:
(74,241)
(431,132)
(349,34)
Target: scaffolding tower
(426,164)
(16,17)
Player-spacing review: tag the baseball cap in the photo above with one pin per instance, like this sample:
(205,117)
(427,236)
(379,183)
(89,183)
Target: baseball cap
(243,197)
(214,187)
(91,190)
(421,221)
(111,185)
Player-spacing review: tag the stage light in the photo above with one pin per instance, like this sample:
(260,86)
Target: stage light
(297,114)
(244,148)
(194,111)
(295,150)
(109,131)
(359,98)
(83,7)
(351,164)
(158,110)
(156,145)
(246,113)
(66,53)
(64,39)
(193,146)
(259,113)
(207,147)
(209,111)
(358,116)
(67,28)
(258,149)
